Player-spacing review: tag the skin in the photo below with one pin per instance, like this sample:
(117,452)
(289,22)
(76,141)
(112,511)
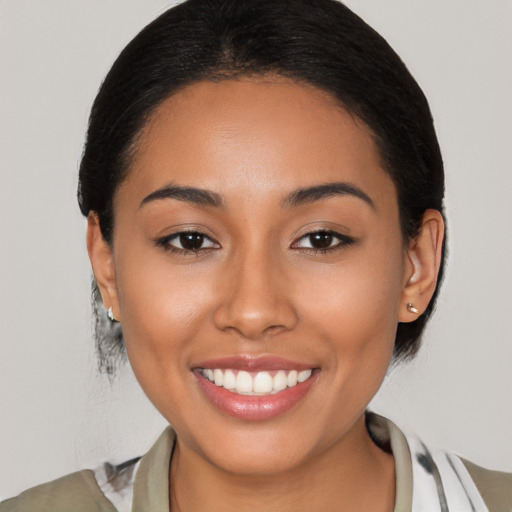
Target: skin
(258,289)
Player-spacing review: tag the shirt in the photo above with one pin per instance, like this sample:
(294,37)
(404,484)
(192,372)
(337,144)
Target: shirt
(427,480)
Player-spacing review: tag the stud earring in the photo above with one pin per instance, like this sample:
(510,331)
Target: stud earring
(410,307)
(110,314)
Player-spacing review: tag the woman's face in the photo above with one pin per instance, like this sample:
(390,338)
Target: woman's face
(257,242)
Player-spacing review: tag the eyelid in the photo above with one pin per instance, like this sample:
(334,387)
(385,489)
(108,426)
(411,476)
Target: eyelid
(343,241)
(164,241)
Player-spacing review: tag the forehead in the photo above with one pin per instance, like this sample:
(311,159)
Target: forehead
(257,135)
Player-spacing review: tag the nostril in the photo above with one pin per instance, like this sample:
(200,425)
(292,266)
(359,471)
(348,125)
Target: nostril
(255,324)
(274,329)
(253,301)
(253,331)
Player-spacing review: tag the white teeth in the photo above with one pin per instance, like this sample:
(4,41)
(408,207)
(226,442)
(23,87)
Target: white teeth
(229,380)
(257,383)
(304,375)
(243,383)
(218,377)
(280,381)
(262,383)
(292,378)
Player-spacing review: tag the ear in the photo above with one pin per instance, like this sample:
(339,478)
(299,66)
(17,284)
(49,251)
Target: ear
(102,261)
(423,259)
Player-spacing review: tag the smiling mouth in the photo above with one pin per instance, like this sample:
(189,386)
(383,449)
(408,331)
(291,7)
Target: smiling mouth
(262,383)
(255,388)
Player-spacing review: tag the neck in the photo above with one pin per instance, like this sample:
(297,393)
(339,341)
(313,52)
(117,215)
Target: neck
(353,474)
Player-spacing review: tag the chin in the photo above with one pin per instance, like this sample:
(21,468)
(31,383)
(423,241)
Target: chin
(252,459)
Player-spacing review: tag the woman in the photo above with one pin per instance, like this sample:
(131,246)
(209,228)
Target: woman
(264,188)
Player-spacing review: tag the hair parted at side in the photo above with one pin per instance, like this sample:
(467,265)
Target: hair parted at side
(319,42)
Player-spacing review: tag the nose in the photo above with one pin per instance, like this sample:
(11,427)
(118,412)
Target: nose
(255,298)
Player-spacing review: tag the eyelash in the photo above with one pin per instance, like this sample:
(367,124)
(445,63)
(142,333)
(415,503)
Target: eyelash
(343,241)
(165,242)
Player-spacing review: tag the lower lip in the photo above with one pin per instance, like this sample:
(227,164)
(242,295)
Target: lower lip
(254,407)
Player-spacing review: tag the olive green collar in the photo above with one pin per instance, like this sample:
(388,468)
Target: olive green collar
(151,487)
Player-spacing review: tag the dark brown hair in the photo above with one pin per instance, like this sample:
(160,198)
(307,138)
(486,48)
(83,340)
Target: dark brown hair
(320,42)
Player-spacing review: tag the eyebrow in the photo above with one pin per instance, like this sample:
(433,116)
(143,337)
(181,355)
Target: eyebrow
(298,197)
(318,192)
(194,195)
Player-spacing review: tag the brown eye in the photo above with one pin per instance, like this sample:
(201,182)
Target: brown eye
(322,241)
(187,242)
(191,241)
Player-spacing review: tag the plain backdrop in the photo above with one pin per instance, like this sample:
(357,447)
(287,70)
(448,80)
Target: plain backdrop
(57,415)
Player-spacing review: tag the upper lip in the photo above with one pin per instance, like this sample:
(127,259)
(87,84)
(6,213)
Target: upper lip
(253,364)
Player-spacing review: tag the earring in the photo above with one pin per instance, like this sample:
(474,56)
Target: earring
(110,314)
(410,307)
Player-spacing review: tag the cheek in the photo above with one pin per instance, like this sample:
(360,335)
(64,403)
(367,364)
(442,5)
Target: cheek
(354,308)
(357,326)
(162,311)
(161,306)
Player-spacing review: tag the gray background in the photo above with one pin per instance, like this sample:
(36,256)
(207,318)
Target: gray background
(57,415)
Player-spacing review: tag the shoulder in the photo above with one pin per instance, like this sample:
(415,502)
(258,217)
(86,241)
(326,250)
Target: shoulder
(494,486)
(142,482)
(78,492)
(427,476)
